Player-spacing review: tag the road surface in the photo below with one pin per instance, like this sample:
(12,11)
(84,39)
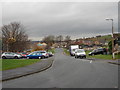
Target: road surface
(68,72)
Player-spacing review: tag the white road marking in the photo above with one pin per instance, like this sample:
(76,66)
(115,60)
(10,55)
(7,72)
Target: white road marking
(85,60)
(90,61)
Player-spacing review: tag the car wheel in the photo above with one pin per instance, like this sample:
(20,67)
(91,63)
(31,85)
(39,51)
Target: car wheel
(93,54)
(28,58)
(42,57)
(16,57)
(39,57)
(75,57)
(3,57)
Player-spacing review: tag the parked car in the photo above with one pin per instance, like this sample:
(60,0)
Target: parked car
(10,55)
(50,54)
(24,55)
(98,51)
(34,55)
(38,55)
(80,53)
(44,54)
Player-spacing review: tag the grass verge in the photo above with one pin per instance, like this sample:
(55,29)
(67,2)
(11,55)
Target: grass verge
(106,57)
(66,51)
(51,50)
(16,63)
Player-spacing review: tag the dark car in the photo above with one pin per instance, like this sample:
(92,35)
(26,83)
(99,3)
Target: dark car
(38,55)
(50,54)
(98,51)
(35,55)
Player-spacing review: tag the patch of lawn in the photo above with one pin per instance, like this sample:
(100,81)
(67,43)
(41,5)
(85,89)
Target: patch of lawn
(66,52)
(16,63)
(51,50)
(117,56)
(0,64)
(107,57)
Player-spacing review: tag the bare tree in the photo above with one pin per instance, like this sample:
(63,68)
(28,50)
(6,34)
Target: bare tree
(59,40)
(14,37)
(49,40)
(67,40)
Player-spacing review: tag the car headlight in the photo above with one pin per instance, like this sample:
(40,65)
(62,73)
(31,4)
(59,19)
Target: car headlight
(89,52)
(19,56)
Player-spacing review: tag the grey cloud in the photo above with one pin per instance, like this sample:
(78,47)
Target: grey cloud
(66,18)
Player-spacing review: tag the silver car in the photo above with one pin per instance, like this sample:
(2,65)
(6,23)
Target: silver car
(44,54)
(10,55)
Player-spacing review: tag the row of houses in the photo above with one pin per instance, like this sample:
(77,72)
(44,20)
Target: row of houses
(88,43)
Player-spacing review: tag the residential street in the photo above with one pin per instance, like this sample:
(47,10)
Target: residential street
(68,72)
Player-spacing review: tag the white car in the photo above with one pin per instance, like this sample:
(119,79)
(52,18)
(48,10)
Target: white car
(44,54)
(10,55)
(80,53)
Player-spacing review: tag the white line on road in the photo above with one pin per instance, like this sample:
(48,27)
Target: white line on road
(85,60)
(90,61)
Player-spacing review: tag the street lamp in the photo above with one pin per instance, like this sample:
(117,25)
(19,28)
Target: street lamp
(113,56)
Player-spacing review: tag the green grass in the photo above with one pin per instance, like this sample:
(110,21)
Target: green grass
(51,50)
(66,52)
(16,63)
(106,57)
(117,56)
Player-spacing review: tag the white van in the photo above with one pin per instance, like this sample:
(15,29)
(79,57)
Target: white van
(80,53)
(72,49)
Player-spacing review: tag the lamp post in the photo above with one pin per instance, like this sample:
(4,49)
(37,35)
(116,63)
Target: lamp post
(113,56)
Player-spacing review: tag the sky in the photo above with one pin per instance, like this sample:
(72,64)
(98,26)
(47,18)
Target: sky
(76,19)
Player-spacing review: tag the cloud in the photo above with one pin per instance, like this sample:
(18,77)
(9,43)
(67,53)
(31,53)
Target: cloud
(76,19)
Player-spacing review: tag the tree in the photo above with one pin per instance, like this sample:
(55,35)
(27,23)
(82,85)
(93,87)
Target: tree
(49,40)
(14,38)
(67,40)
(59,40)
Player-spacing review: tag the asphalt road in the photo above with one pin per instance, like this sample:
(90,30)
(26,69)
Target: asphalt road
(68,72)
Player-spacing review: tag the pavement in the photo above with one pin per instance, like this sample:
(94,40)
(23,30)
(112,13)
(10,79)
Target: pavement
(116,62)
(69,72)
(27,70)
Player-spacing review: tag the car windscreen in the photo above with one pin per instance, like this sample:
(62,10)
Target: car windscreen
(35,53)
(42,52)
(80,51)
(32,53)
(23,53)
(94,50)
